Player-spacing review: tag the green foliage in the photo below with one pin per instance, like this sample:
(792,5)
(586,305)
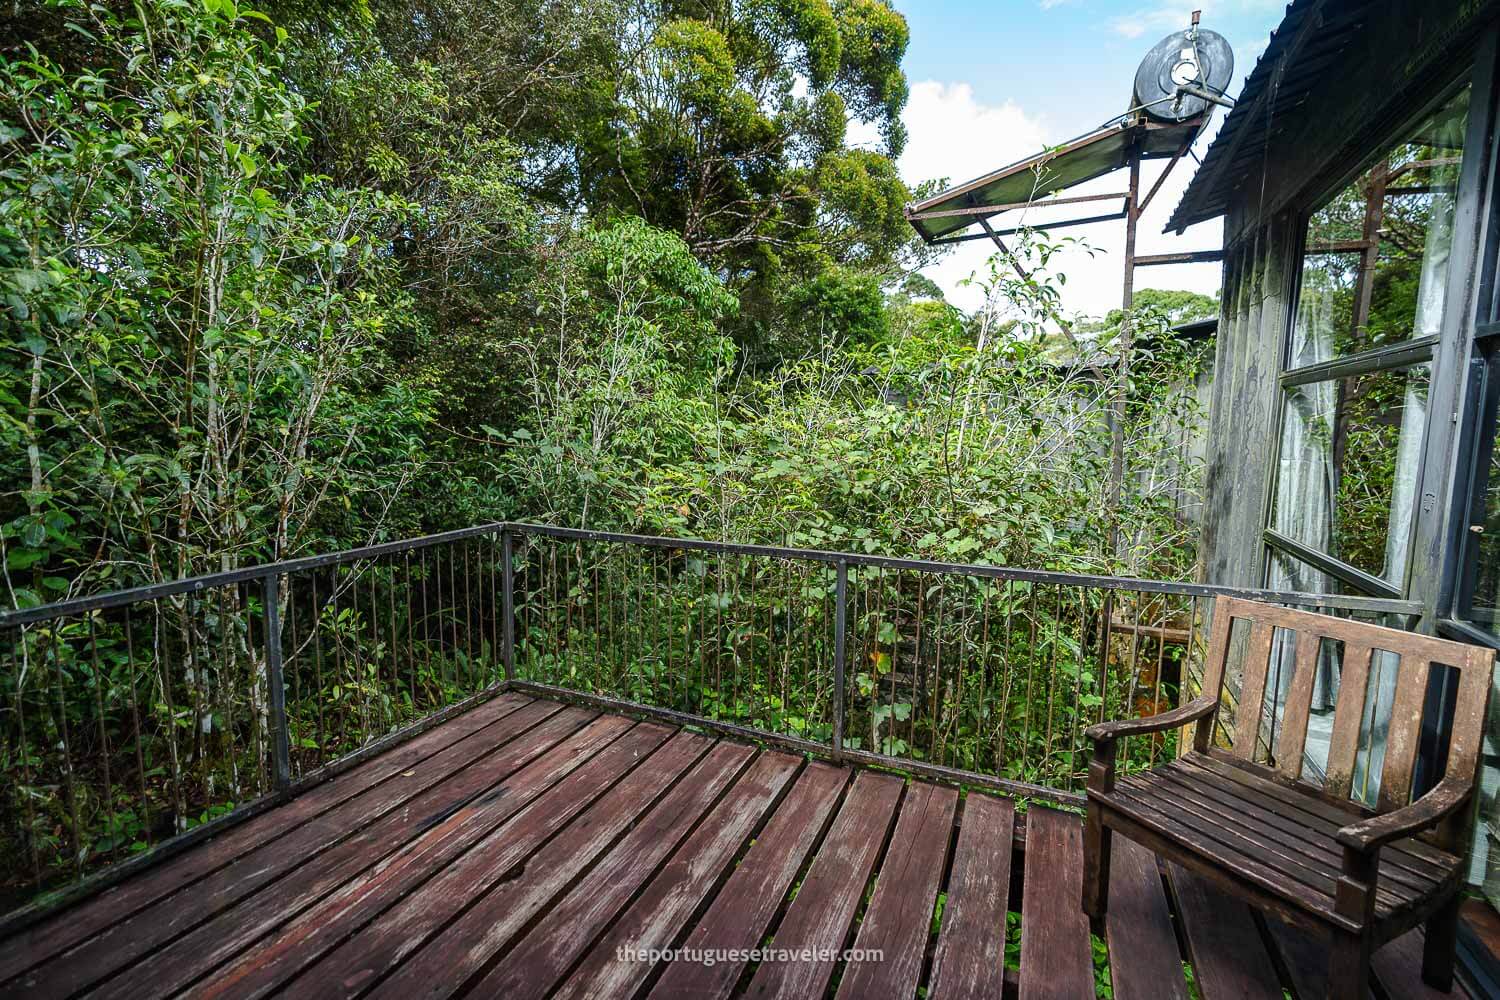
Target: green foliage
(197,373)
(840,305)
(279,287)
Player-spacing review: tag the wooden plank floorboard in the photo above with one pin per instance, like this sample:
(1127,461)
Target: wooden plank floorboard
(1224,945)
(195,953)
(78,923)
(545,955)
(379,946)
(1143,957)
(1056,957)
(454,957)
(744,908)
(899,917)
(970,957)
(295,944)
(511,850)
(657,917)
(171,916)
(1398,967)
(1304,958)
(820,916)
(541,958)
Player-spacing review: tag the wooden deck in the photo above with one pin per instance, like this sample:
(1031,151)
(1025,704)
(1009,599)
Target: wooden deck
(521,848)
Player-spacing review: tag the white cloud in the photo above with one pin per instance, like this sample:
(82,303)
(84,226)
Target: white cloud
(955,136)
(1127,27)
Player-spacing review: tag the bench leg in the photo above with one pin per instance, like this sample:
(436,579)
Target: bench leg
(1096,845)
(1439,946)
(1348,967)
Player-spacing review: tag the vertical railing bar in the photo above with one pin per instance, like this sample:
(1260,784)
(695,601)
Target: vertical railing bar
(21,659)
(840,637)
(1161,649)
(109,789)
(453,618)
(601,615)
(1107,615)
(1008,673)
(409,607)
(1057,615)
(934,736)
(392,633)
(135,721)
(1030,676)
(918,669)
(372,576)
(318,695)
(196,671)
(1075,731)
(468,551)
(274,681)
(426,624)
(62,715)
(986,588)
(297,734)
(890,614)
(495,625)
(508,602)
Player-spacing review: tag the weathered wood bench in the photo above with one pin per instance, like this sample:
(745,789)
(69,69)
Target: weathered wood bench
(1251,823)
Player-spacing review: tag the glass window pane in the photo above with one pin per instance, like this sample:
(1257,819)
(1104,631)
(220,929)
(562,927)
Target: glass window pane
(1350,451)
(1376,256)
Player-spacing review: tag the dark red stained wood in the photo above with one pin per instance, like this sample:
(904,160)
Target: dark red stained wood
(174,915)
(820,916)
(745,906)
(656,918)
(210,943)
(1056,957)
(970,956)
(442,967)
(112,906)
(1304,956)
(1398,967)
(541,958)
(406,926)
(1224,944)
(1143,957)
(900,913)
(275,959)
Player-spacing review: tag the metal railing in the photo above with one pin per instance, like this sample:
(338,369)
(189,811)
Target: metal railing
(152,716)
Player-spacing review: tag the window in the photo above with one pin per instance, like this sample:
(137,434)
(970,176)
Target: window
(1354,390)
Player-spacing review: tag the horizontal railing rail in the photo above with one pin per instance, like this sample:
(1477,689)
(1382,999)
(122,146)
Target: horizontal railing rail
(140,719)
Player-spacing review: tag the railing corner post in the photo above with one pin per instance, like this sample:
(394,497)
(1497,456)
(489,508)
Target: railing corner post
(840,638)
(281,756)
(508,603)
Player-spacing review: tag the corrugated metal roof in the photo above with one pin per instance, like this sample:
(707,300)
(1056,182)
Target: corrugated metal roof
(1310,39)
(1028,182)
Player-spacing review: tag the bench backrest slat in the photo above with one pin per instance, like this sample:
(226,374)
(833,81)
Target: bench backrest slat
(1363,647)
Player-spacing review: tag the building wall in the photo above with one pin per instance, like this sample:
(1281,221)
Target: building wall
(1241,433)
(1401,56)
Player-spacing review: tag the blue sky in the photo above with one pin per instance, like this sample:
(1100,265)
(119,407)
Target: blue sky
(995,81)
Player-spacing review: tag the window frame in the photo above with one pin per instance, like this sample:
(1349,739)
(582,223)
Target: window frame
(1387,357)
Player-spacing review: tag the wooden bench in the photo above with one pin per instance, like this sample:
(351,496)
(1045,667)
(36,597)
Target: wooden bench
(1250,822)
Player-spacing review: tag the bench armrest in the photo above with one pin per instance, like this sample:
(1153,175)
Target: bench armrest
(1449,796)
(1108,732)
